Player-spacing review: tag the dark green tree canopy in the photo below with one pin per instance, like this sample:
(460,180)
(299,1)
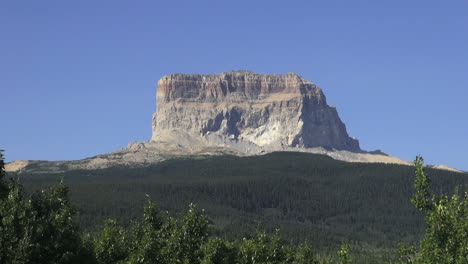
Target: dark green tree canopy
(43,228)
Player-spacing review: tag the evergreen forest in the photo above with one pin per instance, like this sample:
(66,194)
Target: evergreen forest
(277,208)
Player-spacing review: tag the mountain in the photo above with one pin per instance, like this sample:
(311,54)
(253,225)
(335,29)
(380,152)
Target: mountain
(247,111)
(238,113)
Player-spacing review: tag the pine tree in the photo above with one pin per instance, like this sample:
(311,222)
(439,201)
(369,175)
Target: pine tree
(3,184)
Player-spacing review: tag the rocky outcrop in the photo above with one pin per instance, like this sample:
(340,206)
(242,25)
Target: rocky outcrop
(247,110)
(238,113)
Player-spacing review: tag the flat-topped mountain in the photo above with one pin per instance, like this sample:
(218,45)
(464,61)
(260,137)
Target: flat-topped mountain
(243,107)
(238,113)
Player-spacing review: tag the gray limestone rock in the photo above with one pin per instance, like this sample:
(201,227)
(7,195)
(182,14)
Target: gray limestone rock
(243,107)
(238,113)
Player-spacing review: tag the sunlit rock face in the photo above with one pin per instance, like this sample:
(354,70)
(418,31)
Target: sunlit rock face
(247,111)
(233,113)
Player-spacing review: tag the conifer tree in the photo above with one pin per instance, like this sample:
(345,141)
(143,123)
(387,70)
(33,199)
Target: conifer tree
(3,184)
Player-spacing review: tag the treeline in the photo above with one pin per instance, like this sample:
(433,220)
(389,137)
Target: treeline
(307,196)
(43,228)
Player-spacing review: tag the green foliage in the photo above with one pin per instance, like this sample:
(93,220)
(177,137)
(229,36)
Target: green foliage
(305,255)
(446,238)
(57,217)
(344,256)
(16,232)
(42,228)
(111,245)
(218,251)
(421,199)
(262,248)
(193,233)
(166,240)
(3,184)
(406,254)
(304,195)
(146,237)
(170,233)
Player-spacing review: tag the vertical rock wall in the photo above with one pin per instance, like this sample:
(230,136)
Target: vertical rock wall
(242,107)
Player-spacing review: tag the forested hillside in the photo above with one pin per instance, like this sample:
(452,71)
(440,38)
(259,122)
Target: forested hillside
(307,196)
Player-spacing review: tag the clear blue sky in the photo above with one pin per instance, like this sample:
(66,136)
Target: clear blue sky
(77,78)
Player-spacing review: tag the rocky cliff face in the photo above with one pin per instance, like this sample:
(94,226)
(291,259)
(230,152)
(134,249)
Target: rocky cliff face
(237,113)
(247,110)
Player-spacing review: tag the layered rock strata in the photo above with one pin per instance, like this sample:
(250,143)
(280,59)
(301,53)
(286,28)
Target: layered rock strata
(247,110)
(238,113)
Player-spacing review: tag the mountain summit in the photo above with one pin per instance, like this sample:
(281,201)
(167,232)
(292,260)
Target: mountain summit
(238,113)
(246,111)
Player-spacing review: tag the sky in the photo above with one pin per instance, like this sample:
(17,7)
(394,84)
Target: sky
(78,78)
